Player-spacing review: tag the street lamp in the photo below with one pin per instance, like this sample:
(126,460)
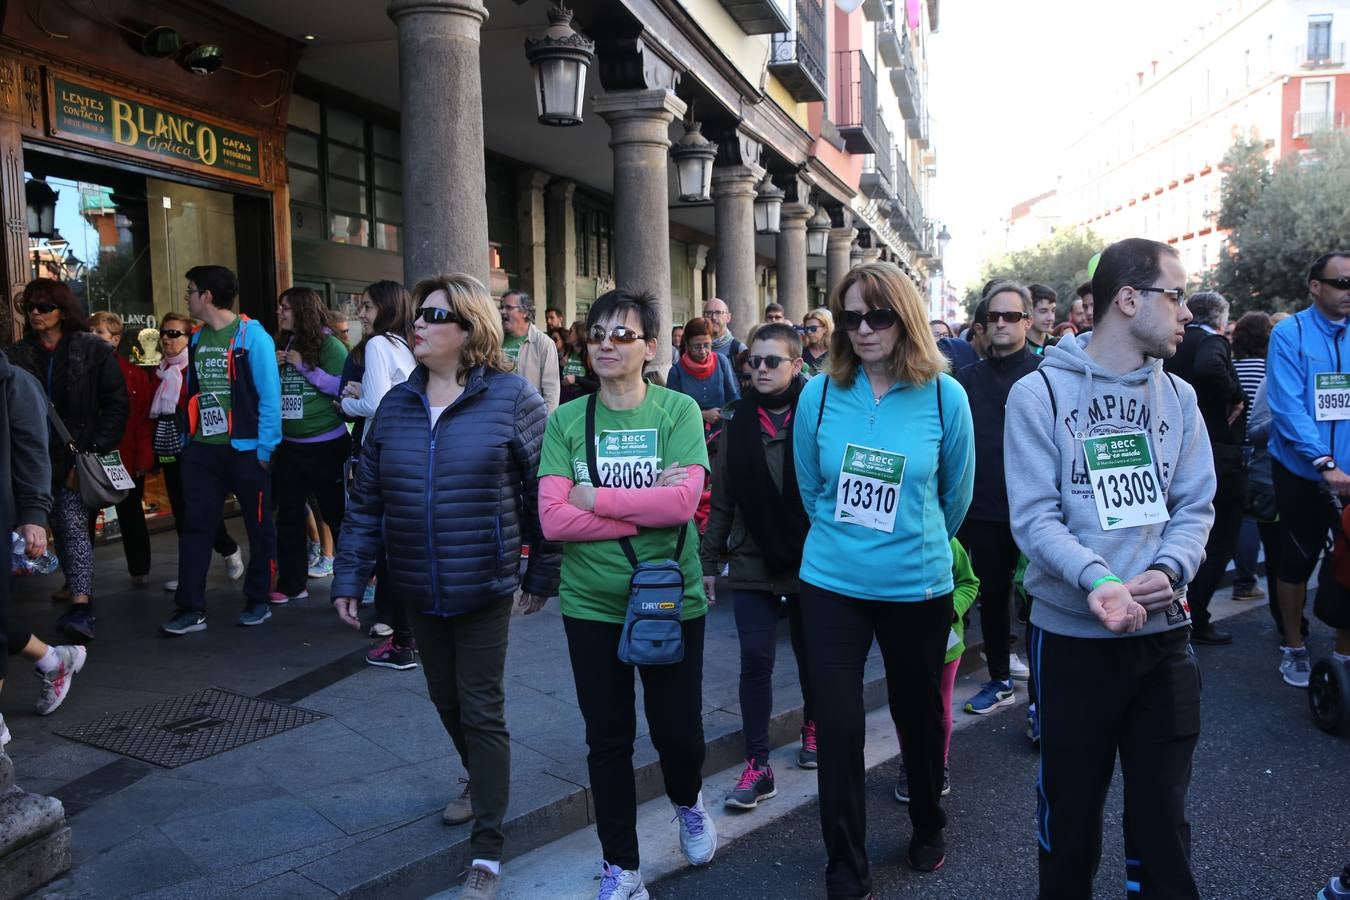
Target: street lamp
(41,200)
(818,233)
(694,155)
(768,206)
(560,59)
(943,237)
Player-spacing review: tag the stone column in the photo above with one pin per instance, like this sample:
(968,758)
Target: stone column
(562,249)
(533,237)
(639,122)
(837,261)
(790,248)
(733,194)
(441,101)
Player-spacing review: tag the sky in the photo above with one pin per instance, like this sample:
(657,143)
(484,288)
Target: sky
(1012,83)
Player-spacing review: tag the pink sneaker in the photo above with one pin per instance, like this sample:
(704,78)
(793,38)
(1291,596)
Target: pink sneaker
(277,598)
(806,756)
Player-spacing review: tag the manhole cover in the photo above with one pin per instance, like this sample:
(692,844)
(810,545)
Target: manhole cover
(181,730)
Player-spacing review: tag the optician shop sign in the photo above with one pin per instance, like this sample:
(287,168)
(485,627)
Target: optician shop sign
(84,112)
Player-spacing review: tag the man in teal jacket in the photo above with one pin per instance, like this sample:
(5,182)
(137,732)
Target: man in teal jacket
(234,417)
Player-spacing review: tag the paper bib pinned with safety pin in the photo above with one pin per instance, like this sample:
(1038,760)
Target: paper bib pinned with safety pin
(1124,481)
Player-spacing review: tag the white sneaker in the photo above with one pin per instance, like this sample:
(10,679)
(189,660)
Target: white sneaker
(621,884)
(171,585)
(1295,666)
(1017,668)
(698,834)
(234,565)
(56,683)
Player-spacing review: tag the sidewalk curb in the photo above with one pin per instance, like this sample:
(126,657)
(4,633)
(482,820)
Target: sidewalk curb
(424,874)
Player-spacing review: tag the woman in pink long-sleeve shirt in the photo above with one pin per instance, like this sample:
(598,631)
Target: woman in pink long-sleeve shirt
(651,464)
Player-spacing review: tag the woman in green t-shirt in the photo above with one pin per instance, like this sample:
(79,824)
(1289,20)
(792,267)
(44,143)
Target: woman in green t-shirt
(649,463)
(578,379)
(314,440)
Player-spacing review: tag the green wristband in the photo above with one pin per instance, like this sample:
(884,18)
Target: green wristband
(1105,578)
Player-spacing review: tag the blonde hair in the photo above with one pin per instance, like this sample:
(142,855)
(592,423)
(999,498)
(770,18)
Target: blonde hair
(824,317)
(916,358)
(111,320)
(474,309)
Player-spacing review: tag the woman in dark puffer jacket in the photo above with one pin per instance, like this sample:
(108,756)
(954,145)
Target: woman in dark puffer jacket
(447,486)
(81,379)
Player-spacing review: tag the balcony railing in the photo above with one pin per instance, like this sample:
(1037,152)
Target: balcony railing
(1320,56)
(1311,121)
(907,215)
(905,83)
(855,101)
(798,56)
(875,10)
(877,179)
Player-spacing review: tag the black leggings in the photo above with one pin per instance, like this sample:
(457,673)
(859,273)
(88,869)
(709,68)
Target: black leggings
(757,614)
(673,703)
(993,557)
(299,470)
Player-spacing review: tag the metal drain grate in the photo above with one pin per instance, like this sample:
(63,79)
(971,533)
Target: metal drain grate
(181,730)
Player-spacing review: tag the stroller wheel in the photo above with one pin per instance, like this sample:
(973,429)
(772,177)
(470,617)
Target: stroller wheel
(1329,695)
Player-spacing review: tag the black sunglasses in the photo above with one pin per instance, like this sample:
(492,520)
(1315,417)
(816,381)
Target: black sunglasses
(772,362)
(1013,317)
(808,329)
(619,334)
(172,333)
(1340,284)
(435,315)
(876,319)
(41,309)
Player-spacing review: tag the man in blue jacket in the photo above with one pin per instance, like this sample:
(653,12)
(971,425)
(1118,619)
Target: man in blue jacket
(1308,384)
(234,417)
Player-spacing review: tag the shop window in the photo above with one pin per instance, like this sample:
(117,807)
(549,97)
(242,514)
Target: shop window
(595,238)
(346,177)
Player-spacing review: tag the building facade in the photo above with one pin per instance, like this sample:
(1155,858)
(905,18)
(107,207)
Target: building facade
(1271,70)
(337,143)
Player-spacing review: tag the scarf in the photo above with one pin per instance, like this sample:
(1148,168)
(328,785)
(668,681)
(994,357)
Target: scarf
(702,371)
(775,519)
(170,374)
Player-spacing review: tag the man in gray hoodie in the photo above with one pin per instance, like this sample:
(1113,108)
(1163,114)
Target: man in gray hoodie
(1113,516)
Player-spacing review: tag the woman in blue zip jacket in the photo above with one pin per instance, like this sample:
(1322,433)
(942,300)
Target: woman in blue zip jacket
(446,487)
(885,465)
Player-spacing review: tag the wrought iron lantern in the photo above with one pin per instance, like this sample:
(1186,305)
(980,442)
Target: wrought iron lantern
(694,155)
(818,233)
(41,200)
(560,59)
(768,206)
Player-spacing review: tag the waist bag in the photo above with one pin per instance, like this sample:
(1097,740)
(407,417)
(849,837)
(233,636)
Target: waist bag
(652,632)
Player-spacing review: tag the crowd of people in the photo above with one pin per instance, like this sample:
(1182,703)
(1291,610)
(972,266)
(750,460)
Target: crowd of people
(868,475)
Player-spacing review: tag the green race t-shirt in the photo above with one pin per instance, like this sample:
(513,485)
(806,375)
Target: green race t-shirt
(634,445)
(211,359)
(511,346)
(574,367)
(305,412)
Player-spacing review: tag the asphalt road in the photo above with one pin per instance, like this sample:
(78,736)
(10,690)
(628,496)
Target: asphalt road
(1269,803)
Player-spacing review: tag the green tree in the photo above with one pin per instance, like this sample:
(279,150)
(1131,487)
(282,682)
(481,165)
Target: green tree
(1299,213)
(1246,174)
(1060,262)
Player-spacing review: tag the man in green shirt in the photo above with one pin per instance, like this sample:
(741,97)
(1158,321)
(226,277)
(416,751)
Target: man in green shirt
(532,351)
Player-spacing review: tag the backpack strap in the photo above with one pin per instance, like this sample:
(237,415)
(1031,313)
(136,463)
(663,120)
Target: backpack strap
(824,392)
(593,466)
(1054,407)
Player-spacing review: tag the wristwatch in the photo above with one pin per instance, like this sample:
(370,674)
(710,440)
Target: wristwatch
(1173,577)
(1325,464)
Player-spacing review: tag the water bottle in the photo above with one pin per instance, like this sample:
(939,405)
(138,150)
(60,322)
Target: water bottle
(1338,888)
(20,564)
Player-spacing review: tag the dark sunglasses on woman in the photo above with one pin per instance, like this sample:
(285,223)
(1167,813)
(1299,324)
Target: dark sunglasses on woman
(619,334)
(41,309)
(876,319)
(436,315)
(172,333)
(772,362)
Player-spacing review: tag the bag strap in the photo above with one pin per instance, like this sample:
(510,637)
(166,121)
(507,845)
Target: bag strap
(824,392)
(61,431)
(593,466)
(1054,407)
